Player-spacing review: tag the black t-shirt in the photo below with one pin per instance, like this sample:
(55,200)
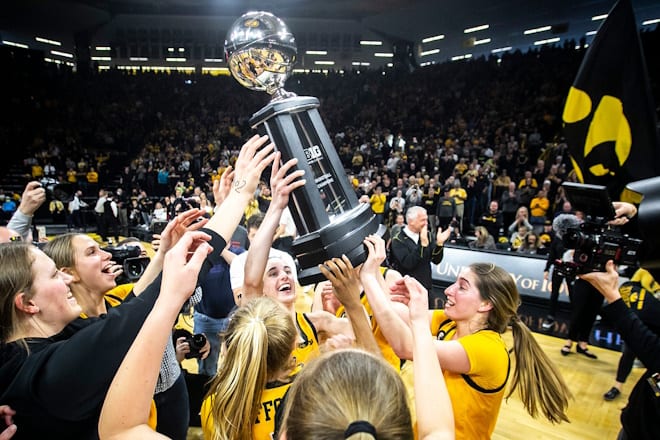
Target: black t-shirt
(57,390)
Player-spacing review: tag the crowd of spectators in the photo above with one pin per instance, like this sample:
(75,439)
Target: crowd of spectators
(473,147)
(483,131)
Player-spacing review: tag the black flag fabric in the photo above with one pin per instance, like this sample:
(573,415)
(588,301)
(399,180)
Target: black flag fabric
(609,116)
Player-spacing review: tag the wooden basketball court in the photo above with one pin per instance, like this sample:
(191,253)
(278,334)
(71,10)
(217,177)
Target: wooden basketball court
(591,416)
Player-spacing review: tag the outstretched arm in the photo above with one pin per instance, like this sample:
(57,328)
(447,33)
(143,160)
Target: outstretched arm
(186,221)
(640,339)
(346,284)
(282,185)
(126,407)
(451,354)
(430,388)
(33,197)
(394,328)
(253,159)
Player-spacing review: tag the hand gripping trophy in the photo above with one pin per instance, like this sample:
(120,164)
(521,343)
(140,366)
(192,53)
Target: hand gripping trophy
(261,52)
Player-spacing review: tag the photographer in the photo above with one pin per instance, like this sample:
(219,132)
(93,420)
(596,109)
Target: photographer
(585,304)
(33,197)
(640,418)
(560,225)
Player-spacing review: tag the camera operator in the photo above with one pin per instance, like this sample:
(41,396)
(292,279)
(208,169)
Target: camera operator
(131,254)
(640,419)
(638,292)
(560,225)
(585,304)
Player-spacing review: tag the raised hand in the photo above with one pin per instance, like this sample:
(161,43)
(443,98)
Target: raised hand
(33,197)
(186,221)
(344,279)
(252,160)
(281,184)
(222,186)
(442,236)
(607,283)
(376,255)
(623,212)
(182,265)
(418,303)
(399,291)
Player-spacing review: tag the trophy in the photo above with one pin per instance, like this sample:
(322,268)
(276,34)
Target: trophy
(261,51)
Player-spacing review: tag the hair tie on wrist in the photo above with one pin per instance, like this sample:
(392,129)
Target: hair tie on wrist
(360,426)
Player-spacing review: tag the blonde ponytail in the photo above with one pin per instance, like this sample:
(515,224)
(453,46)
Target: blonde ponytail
(258,343)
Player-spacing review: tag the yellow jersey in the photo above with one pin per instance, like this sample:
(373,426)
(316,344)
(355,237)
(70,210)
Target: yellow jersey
(476,397)
(307,347)
(271,398)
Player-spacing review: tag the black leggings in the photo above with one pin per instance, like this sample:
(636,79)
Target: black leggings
(626,362)
(585,305)
(557,279)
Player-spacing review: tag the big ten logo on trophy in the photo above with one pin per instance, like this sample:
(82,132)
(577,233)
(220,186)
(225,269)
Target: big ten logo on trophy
(313,153)
(261,53)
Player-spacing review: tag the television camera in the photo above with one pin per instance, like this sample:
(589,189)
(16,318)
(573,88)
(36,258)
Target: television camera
(129,258)
(594,241)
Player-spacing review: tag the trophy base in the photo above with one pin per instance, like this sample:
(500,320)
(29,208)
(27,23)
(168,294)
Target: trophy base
(344,236)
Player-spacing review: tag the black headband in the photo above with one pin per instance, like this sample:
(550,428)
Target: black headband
(360,426)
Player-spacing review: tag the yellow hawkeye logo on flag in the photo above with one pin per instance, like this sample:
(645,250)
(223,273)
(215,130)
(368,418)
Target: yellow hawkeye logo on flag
(608,124)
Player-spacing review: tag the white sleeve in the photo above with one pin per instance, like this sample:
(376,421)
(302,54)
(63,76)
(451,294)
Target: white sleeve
(237,271)
(21,223)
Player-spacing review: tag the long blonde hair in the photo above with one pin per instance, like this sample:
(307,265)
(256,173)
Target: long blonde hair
(539,382)
(343,387)
(258,343)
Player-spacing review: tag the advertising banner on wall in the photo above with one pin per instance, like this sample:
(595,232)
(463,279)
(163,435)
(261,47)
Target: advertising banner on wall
(526,270)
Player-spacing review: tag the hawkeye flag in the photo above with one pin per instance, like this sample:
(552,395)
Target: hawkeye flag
(609,117)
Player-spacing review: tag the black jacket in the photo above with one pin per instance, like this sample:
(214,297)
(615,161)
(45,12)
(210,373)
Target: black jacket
(556,252)
(58,388)
(412,259)
(641,417)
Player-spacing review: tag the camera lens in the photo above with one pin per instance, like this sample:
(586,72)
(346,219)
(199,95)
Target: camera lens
(134,267)
(198,341)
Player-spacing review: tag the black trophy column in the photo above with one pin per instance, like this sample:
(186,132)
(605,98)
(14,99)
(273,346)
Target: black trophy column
(328,216)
